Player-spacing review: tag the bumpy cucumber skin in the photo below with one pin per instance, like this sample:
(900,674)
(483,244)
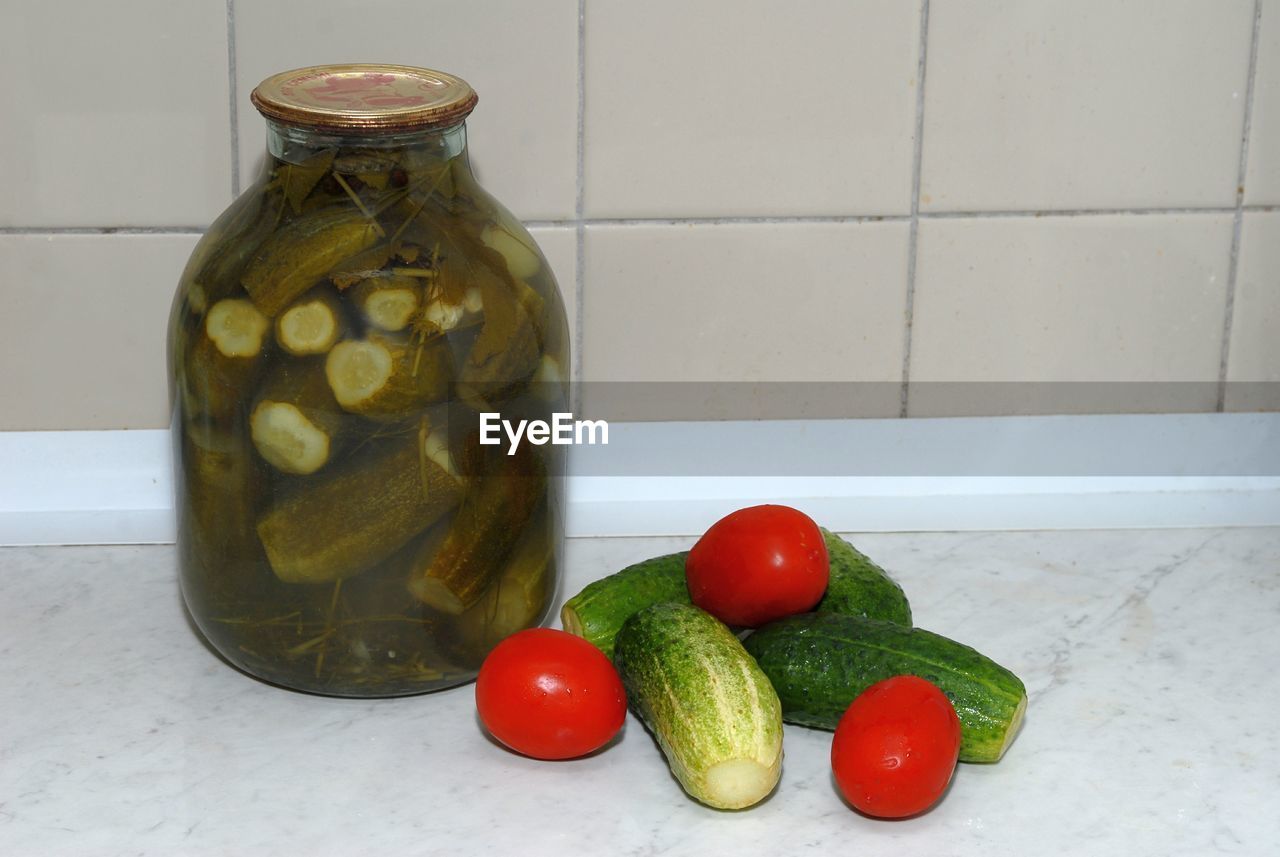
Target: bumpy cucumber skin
(703,697)
(859,587)
(599,610)
(820,662)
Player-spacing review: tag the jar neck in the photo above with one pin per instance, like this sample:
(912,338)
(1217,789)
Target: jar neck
(294,145)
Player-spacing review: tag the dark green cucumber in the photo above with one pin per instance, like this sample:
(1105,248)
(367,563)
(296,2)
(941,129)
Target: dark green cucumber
(857,586)
(709,706)
(820,662)
(598,611)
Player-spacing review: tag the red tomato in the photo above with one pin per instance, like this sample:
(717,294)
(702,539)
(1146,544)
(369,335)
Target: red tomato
(758,564)
(550,695)
(896,746)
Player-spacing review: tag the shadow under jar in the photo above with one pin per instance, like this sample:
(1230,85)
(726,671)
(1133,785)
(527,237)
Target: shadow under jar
(333,341)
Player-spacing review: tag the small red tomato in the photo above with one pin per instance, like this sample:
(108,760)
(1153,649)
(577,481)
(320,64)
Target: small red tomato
(758,564)
(550,695)
(896,746)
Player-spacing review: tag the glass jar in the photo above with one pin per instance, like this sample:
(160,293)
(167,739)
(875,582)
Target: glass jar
(335,338)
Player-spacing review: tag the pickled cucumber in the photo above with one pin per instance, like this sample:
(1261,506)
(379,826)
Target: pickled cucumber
(214,270)
(489,522)
(518,598)
(389,302)
(311,324)
(296,424)
(294,258)
(523,260)
(509,347)
(221,485)
(386,376)
(223,358)
(359,514)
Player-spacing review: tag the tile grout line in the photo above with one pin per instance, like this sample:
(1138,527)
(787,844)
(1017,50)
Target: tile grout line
(579,223)
(549,224)
(1237,223)
(1075,212)
(894,218)
(233,98)
(913,235)
(729,221)
(102,230)
(574,222)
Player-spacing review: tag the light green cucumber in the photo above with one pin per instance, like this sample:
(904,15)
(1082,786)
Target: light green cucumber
(711,709)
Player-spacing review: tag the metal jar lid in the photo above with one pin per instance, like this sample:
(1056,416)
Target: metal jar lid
(365,97)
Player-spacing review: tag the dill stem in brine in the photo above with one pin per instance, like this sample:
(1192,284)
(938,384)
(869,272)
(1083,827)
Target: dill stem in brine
(328,623)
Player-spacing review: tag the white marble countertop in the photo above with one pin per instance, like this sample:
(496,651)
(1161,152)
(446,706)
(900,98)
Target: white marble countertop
(1150,658)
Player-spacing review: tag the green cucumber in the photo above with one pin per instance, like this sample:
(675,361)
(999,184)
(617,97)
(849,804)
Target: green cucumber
(598,611)
(820,662)
(857,586)
(711,709)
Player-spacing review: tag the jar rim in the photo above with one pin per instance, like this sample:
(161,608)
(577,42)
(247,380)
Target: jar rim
(365,97)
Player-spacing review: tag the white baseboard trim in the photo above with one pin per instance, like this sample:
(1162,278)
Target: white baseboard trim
(86,487)
(953,504)
(116,487)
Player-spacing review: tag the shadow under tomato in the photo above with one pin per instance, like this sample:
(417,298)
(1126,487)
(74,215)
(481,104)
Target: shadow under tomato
(835,787)
(488,736)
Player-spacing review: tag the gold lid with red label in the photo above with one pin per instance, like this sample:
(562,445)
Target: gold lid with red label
(361,97)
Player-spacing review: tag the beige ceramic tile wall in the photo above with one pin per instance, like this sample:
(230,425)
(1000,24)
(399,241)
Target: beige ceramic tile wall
(757,108)
(736,190)
(1110,312)
(1253,370)
(1262,181)
(82,337)
(113,114)
(1041,104)
(767,302)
